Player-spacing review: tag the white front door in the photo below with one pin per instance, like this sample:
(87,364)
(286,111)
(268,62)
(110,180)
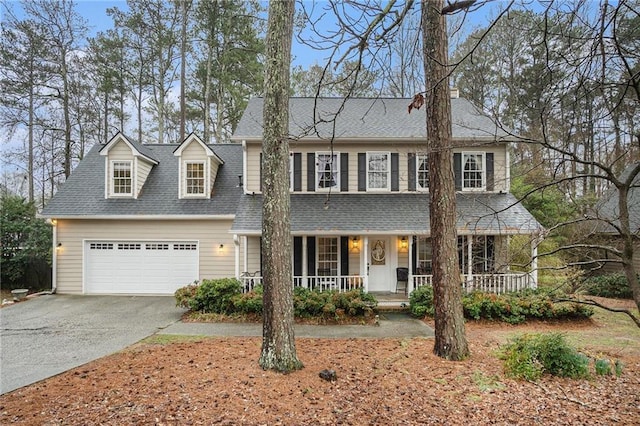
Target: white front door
(380,264)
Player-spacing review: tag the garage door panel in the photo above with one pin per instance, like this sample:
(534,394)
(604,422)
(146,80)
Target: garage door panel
(132,267)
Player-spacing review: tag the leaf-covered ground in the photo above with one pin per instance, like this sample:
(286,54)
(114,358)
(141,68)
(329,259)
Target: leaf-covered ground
(388,381)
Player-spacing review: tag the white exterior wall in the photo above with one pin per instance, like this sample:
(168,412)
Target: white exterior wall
(213,262)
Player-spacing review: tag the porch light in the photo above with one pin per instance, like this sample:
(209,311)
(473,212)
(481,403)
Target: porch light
(221,247)
(404,244)
(355,243)
(59,247)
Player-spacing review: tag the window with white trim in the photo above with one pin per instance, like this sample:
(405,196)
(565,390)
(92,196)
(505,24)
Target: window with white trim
(327,170)
(327,256)
(121,178)
(422,172)
(194,175)
(378,171)
(424,256)
(473,171)
(291,171)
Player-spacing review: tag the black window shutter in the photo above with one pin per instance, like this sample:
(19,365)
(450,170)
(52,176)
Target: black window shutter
(414,254)
(311,171)
(297,256)
(344,255)
(489,158)
(362,171)
(457,170)
(344,172)
(395,170)
(311,256)
(412,172)
(297,171)
(260,171)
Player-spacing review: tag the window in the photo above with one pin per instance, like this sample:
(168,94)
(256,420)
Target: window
(328,256)
(378,171)
(473,173)
(327,167)
(424,256)
(195,178)
(422,173)
(121,177)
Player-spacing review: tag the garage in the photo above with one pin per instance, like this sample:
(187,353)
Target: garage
(139,267)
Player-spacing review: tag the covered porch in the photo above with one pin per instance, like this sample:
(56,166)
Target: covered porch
(368,241)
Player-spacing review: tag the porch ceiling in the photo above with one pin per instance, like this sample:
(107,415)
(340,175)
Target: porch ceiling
(400,214)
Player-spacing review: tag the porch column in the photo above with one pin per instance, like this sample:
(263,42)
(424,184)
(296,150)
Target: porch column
(364,267)
(470,255)
(305,282)
(236,250)
(245,252)
(534,261)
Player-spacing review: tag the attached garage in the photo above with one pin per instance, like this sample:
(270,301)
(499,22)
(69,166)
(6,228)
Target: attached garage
(139,267)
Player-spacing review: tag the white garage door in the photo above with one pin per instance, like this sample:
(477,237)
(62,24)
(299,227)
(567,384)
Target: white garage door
(139,267)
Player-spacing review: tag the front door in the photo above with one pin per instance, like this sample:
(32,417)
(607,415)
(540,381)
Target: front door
(380,267)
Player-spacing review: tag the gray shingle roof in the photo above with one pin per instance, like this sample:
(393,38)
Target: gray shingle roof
(389,213)
(366,118)
(82,195)
(607,207)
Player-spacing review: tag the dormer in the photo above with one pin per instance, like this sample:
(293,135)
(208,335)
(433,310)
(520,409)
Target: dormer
(127,165)
(197,168)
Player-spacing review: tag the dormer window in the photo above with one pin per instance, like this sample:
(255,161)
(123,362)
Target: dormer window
(195,184)
(121,183)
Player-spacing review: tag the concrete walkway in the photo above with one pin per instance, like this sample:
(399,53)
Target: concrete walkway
(392,325)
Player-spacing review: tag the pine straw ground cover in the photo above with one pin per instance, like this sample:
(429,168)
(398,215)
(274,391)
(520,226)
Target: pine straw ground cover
(193,381)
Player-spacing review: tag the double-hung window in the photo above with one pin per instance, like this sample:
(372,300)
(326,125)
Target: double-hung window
(327,171)
(194,174)
(473,171)
(422,172)
(327,256)
(122,182)
(378,171)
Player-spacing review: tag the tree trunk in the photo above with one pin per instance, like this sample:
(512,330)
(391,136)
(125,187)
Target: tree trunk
(278,340)
(450,339)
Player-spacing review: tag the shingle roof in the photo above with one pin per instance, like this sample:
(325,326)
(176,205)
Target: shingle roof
(607,207)
(389,213)
(82,195)
(367,118)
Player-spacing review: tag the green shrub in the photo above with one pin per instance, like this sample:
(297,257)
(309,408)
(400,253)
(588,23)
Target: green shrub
(421,302)
(185,295)
(250,302)
(216,296)
(612,285)
(331,304)
(529,356)
(603,367)
(513,308)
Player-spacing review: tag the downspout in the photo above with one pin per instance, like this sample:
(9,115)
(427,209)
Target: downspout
(54,256)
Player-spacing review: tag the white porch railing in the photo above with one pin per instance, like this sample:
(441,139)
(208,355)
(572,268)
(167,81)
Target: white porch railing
(489,283)
(341,283)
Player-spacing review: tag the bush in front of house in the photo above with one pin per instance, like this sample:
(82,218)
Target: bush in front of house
(421,302)
(513,308)
(215,296)
(225,297)
(613,285)
(529,356)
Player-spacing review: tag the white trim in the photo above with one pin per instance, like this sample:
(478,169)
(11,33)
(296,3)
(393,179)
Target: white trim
(483,170)
(107,183)
(388,171)
(417,158)
(112,193)
(205,178)
(335,170)
(146,217)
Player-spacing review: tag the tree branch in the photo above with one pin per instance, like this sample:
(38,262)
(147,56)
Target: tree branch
(591,302)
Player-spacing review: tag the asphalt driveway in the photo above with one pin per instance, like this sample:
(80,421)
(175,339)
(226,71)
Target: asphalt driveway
(50,334)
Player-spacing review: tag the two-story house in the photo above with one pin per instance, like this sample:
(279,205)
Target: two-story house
(148,219)
(359,195)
